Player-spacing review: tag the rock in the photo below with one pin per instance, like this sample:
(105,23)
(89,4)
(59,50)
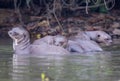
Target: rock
(98,28)
(89,28)
(115,25)
(116,31)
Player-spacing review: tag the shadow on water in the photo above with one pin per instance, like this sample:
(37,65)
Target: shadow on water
(99,66)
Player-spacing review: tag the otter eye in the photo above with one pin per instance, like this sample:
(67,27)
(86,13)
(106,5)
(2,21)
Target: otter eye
(98,35)
(15,33)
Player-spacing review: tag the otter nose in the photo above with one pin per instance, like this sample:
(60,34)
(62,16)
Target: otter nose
(111,42)
(108,43)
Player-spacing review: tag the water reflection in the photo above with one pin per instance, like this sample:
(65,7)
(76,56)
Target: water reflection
(5,64)
(30,67)
(102,66)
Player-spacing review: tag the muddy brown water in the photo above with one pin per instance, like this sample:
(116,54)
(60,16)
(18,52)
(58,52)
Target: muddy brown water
(97,66)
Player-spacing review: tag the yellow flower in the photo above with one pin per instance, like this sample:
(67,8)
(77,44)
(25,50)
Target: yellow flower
(38,36)
(43,76)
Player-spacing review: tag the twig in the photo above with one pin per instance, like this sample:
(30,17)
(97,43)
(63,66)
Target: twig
(17,10)
(56,16)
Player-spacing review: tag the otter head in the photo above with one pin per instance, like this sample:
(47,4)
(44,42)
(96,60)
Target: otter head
(20,37)
(60,40)
(103,37)
(17,33)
